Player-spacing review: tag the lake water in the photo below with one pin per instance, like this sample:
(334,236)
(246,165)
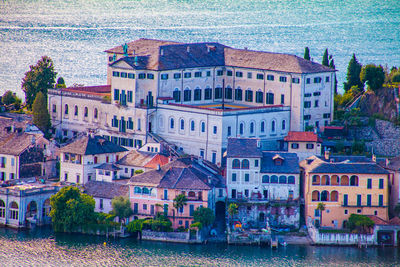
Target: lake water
(75,33)
(42,247)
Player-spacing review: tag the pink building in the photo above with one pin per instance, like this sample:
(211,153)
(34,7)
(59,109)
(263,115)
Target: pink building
(154,191)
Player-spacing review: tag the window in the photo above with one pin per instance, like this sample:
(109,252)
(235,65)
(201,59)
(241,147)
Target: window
(214,157)
(245,164)
(171,123)
(251,128)
(307,95)
(76,111)
(239,74)
(259,97)
(327,79)
(115,73)
(316,104)
(215,130)
(166,195)
(236,164)
(182,124)
(241,129)
(197,74)
(249,96)
(139,125)
(142,75)
(187,75)
(317,80)
(187,95)
(192,128)
(265,179)
(207,94)
(130,98)
(14,211)
(123,75)
(307,117)
(380,201)
(233,177)
(274,179)
(229,130)
(291,179)
(282,179)
(164,76)
(238,94)
(369,200)
(282,99)
(270,77)
(202,153)
(369,183)
(295,145)
(270,98)
(220,72)
(131,75)
(309,146)
(308,81)
(2,209)
(249,75)
(203,127)
(307,104)
(247,177)
(101,204)
(233,193)
(191,210)
(177,75)
(273,126)
(283,125)
(218,93)
(327,115)
(116,94)
(176,95)
(208,73)
(229,73)
(381,183)
(54,108)
(359,200)
(345,200)
(317,93)
(86,112)
(260,76)
(256,163)
(66,109)
(295,80)
(228,93)
(150,76)
(282,79)
(12,161)
(197,94)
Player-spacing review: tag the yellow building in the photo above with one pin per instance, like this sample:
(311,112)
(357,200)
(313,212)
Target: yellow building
(345,187)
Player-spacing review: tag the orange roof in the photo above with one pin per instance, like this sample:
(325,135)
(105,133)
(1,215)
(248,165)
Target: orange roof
(377,220)
(91,90)
(157,160)
(302,137)
(395,221)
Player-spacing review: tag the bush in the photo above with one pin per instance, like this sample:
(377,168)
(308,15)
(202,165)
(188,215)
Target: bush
(360,223)
(197,225)
(181,229)
(160,224)
(139,171)
(135,226)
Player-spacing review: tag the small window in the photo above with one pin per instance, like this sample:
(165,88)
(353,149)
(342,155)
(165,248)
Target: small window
(327,79)
(249,75)
(187,75)
(197,74)
(260,76)
(369,183)
(317,80)
(208,73)
(197,94)
(177,75)
(247,177)
(308,81)
(115,73)
(282,99)
(229,131)
(310,146)
(270,98)
(182,124)
(307,104)
(220,72)
(317,93)
(164,76)
(256,163)
(233,177)
(215,130)
(124,75)
(249,96)
(203,127)
(238,94)
(207,94)
(131,75)
(381,183)
(307,117)
(150,76)
(54,108)
(316,103)
(171,123)
(229,73)
(187,95)
(142,76)
(295,145)
(239,74)
(307,95)
(270,77)
(282,79)
(295,80)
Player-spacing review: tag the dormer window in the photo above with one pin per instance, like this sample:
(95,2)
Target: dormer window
(278,160)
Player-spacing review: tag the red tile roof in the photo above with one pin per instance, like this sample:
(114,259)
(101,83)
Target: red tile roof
(157,160)
(377,220)
(302,137)
(395,221)
(91,90)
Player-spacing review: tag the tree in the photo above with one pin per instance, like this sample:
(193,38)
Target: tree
(321,208)
(360,223)
(41,116)
(205,216)
(373,75)
(232,210)
(60,83)
(71,209)
(38,79)
(121,207)
(179,202)
(325,58)
(8,98)
(332,66)
(353,74)
(307,53)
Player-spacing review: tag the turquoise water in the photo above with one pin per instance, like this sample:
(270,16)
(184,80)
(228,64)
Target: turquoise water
(42,247)
(75,33)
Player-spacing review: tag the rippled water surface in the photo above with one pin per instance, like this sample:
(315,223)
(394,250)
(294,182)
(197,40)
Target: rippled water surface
(42,247)
(75,33)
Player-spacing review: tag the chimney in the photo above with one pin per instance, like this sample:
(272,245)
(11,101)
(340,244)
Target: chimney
(258,144)
(158,167)
(327,154)
(188,49)
(161,52)
(135,60)
(373,158)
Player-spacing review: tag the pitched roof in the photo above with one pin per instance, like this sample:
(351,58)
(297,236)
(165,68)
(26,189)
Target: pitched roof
(395,221)
(15,143)
(349,168)
(243,148)
(183,178)
(157,160)
(91,90)
(108,167)
(137,158)
(166,55)
(87,145)
(302,137)
(290,162)
(377,220)
(106,189)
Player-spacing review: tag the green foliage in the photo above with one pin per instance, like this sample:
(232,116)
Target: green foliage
(352,118)
(8,98)
(197,225)
(203,215)
(353,74)
(159,224)
(233,209)
(139,171)
(373,75)
(41,116)
(307,53)
(309,128)
(181,229)
(121,207)
(38,79)
(321,208)
(135,226)
(71,209)
(325,58)
(180,201)
(360,223)
(60,83)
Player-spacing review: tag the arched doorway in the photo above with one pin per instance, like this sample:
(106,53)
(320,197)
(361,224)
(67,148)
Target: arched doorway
(220,214)
(31,210)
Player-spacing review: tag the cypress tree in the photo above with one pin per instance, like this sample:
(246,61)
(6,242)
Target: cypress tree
(41,116)
(332,66)
(307,53)
(325,58)
(353,74)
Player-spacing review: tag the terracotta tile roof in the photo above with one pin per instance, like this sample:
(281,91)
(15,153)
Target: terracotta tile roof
(105,189)
(15,143)
(302,137)
(91,90)
(87,145)
(143,159)
(395,221)
(377,220)
(158,159)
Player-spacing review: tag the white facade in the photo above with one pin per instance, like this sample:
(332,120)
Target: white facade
(304,149)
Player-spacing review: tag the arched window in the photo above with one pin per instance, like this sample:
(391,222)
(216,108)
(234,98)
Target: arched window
(282,179)
(176,95)
(334,196)
(273,126)
(137,190)
(207,93)
(66,109)
(197,94)
(145,191)
(236,164)
(187,95)
(245,164)
(265,179)
(249,95)
(241,128)
(192,126)
(283,125)
(274,179)
(171,123)
(316,180)
(203,127)
(252,128)
(96,113)
(344,180)
(2,209)
(191,194)
(335,180)
(315,196)
(14,211)
(354,180)
(228,92)
(182,124)
(325,180)
(238,94)
(325,196)
(262,126)
(291,179)
(76,111)
(270,98)
(259,97)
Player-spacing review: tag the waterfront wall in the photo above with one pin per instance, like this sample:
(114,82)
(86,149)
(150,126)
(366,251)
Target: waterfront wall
(177,237)
(340,238)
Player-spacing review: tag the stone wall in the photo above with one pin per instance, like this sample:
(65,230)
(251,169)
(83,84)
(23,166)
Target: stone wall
(178,237)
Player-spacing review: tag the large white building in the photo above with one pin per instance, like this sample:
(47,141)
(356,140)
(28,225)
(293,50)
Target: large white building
(196,95)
